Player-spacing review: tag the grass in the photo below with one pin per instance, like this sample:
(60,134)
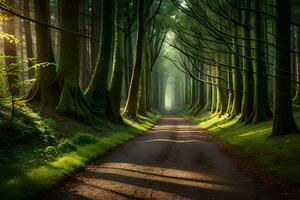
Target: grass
(59,148)
(281,155)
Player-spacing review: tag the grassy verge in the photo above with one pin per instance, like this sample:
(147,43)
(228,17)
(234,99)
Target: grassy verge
(281,155)
(58,149)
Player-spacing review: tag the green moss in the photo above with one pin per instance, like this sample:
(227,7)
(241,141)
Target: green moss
(278,154)
(25,172)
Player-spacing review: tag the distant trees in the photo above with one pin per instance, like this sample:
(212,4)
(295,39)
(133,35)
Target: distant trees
(236,39)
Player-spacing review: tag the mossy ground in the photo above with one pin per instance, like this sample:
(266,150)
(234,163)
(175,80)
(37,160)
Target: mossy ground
(44,149)
(281,155)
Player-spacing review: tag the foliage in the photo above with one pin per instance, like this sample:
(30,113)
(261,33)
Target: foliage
(54,152)
(279,154)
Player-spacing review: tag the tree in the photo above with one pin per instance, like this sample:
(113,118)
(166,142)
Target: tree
(248,80)
(45,90)
(118,65)
(96,93)
(72,102)
(28,38)
(131,105)
(261,108)
(283,122)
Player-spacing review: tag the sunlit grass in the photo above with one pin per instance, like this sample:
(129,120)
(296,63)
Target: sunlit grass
(25,173)
(278,154)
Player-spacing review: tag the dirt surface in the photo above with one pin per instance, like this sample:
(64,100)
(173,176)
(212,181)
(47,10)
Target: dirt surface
(175,160)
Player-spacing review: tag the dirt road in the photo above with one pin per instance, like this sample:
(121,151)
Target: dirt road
(175,160)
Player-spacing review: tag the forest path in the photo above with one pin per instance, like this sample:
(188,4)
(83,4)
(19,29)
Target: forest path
(174,160)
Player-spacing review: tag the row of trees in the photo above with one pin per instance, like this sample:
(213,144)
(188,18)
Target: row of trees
(80,53)
(238,57)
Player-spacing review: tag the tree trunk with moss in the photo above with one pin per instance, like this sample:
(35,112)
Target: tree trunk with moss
(283,122)
(147,72)
(97,91)
(248,80)
(72,102)
(128,50)
(222,96)
(45,90)
(118,65)
(237,80)
(261,108)
(132,101)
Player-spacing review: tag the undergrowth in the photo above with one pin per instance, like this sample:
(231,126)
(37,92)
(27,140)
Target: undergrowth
(281,155)
(44,149)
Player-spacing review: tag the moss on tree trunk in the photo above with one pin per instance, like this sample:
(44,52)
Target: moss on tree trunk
(118,65)
(72,102)
(45,90)
(96,93)
(248,80)
(132,101)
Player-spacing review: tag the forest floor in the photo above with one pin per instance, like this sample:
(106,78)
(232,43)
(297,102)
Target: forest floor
(174,160)
(44,149)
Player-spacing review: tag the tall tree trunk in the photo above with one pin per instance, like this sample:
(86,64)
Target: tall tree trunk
(118,65)
(283,122)
(261,108)
(96,10)
(85,54)
(208,89)
(214,94)
(131,105)
(222,97)
(72,102)
(96,93)
(297,95)
(230,87)
(248,80)
(145,79)
(28,39)
(142,107)
(237,81)
(45,89)
(128,50)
